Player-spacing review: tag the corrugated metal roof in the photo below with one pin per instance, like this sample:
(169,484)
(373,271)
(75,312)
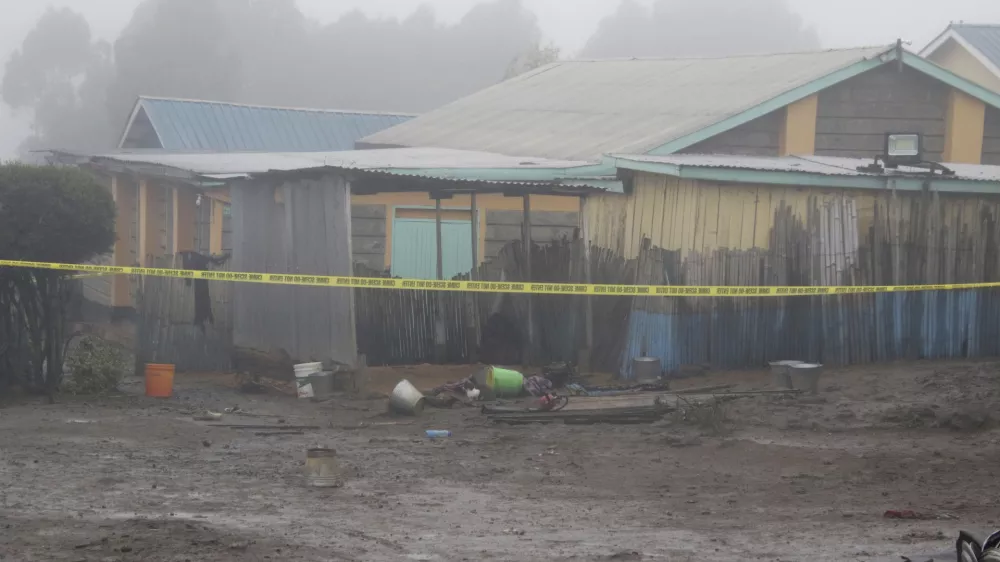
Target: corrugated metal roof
(218,126)
(823,165)
(248,163)
(985,38)
(584,109)
(431,163)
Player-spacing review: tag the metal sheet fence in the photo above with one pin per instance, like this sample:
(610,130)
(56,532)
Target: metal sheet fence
(165,328)
(831,239)
(836,330)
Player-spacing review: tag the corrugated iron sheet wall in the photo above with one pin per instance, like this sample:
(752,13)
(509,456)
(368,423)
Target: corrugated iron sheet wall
(308,233)
(698,233)
(165,328)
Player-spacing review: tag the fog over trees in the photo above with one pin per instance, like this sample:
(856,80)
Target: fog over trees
(80,90)
(700,28)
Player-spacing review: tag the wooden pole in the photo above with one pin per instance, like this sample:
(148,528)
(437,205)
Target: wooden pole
(440,336)
(526,247)
(474,217)
(474,333)
(437,234)
(585,355)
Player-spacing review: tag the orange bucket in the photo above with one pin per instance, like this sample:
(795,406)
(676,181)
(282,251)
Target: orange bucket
(159,380)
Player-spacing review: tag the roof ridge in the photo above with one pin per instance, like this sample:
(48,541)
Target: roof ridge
(963,24)
(278,107)
(884,47)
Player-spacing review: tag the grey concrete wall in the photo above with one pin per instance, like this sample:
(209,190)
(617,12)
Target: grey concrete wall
(760,137)
(854,116)
(503,227)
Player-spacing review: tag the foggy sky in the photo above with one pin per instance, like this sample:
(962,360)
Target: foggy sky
(567,23)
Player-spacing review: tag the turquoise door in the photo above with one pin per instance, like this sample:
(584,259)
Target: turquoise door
(414,248)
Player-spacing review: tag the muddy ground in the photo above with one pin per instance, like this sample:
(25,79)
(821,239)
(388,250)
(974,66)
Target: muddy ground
(129,478)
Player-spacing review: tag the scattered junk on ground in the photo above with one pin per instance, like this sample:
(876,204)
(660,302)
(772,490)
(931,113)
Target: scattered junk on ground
(805,377)
(209,416)
(561,396)
(304,373)
(796,375)
(780,372)
(159,380)
(406,399)
(322,468)
(647,369)
(606,412)
(967,548)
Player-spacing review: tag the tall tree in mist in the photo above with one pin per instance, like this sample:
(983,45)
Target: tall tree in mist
(535,56)
(175,48)
(680,28)
(417,64)
(255,51)
(60,75)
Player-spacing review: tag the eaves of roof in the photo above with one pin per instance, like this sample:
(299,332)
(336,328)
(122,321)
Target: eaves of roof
(796,94)
(821,172)
(450,166)
(953,33)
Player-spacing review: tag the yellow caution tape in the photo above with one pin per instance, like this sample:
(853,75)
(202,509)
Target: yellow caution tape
(489,286)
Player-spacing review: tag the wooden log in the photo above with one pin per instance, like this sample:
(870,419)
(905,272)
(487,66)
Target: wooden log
(259,427)
(701,389)
(276,433)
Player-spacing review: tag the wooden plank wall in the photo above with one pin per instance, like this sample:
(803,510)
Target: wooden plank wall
(97,289)
(854,116)
(504,227)
(308,233)
(203,226)
(760,137)
(368,236)
(397,327)
(692,233)
(991,137)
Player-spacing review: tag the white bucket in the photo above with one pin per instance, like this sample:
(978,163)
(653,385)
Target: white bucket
(406,399)
(302,373)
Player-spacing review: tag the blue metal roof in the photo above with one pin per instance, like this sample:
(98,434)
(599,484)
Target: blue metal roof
(985,38)
(187,125)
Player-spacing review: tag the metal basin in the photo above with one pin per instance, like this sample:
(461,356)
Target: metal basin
(647,369)
(805,377)
(781,371)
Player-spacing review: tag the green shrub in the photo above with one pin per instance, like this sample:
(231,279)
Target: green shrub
(47,214)
(95,367)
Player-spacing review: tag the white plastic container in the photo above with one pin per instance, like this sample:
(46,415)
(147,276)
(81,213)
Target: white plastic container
(406,399)
(302,381)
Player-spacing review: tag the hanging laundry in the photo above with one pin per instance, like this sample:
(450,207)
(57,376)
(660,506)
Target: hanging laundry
(202,298)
